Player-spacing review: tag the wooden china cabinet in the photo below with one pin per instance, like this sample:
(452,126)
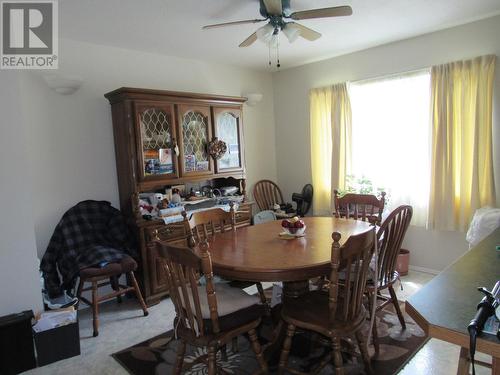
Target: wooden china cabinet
(161,140)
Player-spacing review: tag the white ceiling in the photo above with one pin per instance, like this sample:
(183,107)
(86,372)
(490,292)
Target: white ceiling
(173,27)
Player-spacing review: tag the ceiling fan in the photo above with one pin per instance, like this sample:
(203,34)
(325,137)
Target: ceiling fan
(278,14)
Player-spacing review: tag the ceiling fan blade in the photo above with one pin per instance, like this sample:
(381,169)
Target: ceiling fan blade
(249,41)
(322,13)
(231,23)
(273,7)
(306,32)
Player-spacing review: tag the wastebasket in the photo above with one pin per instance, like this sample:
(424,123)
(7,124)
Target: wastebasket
(57,343)
(403,262)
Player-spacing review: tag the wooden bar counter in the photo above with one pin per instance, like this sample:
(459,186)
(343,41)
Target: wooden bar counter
(445,306)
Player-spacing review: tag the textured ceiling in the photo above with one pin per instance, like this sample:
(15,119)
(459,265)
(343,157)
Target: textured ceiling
(173,27)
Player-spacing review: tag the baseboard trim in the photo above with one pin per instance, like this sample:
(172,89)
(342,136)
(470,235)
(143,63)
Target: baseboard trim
(424,269)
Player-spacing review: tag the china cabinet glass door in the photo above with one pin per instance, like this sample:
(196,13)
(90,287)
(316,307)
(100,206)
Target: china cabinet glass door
(195,134)
(156,140)
(228,129)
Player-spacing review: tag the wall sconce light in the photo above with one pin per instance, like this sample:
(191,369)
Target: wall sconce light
(253,98)
(63,84)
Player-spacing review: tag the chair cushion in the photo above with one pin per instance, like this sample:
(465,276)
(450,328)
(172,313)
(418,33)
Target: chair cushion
(229,300)
(236,319)
(127,264)
(312,308)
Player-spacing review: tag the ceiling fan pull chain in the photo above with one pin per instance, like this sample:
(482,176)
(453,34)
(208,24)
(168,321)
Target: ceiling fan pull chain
(269,46)
(278,65)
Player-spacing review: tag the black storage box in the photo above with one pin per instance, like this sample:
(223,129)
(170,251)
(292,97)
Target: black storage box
(16,343)
(57,343)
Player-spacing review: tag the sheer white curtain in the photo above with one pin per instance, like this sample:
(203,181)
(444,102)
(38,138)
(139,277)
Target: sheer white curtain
(391,138)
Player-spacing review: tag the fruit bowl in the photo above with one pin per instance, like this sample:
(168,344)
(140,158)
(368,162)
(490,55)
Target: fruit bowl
(294,226)
(295,231)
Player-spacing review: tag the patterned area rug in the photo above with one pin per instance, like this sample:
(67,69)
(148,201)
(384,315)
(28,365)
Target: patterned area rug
(157,355)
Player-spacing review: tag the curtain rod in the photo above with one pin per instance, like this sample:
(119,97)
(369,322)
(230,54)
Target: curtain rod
(392,75)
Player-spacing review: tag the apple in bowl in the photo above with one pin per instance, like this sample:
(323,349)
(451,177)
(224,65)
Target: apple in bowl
(295,226)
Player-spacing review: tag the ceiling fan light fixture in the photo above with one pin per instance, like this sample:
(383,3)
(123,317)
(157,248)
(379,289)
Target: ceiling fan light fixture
(274,42)
(265,33)
(291,31)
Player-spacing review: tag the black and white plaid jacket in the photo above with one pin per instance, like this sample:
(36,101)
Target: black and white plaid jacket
(89,234)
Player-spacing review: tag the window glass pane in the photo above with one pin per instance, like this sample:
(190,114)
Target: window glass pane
(391,138)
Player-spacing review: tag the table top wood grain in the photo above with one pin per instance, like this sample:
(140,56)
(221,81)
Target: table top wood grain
(445,306)
(257,253)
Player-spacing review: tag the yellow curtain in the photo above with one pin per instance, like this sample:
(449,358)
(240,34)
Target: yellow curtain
(341,136)
(462,160)
(321,148)
(330,123)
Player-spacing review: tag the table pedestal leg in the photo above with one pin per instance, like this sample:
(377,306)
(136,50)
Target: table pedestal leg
(294,289)
(291,290)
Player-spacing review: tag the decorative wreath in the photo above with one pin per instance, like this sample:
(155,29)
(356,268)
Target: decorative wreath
(217,148)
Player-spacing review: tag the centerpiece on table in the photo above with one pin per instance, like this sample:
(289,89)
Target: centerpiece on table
(292,228)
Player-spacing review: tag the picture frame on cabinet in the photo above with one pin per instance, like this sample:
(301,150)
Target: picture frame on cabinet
(189,163)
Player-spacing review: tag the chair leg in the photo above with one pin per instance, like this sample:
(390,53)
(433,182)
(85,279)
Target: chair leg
(223,353)
(138,293)
(95,308)
(212,365)
(376,343)
(234,345)
(257,350)
(337,356)
(79,291)
(364,352)
(113,280)
(286,349)
(181,350)
(395,301)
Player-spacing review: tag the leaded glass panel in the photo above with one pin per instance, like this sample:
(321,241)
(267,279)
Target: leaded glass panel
(195,139)
(157,147)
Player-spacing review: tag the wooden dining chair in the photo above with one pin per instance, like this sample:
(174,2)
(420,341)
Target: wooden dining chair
(204,225)
(339,311)
(267,194)
(390,237)
(207,316)
(366,207)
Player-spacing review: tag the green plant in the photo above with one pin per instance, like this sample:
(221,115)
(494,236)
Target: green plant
(361,185)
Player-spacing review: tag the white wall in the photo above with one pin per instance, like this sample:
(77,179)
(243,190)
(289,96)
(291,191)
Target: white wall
(429,249)
(18,261)
(71,137)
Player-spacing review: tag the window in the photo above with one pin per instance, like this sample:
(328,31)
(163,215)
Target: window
(391,138)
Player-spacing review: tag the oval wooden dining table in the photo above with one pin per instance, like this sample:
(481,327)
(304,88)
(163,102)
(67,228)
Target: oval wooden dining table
(258,253)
